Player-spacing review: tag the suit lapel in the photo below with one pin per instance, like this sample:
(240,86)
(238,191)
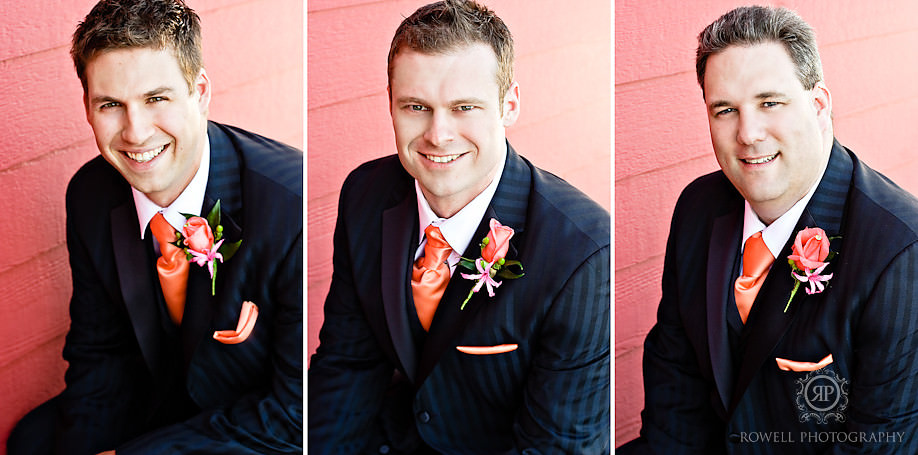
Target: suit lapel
(399,225)
(767,320)
(137,278)
(509,206)
(723,249)
(223,184)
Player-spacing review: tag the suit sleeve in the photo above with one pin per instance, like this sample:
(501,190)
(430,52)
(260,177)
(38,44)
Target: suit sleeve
(348,374)
(566,401)
(259,422)
(678,416)
(885,376)
(103,355)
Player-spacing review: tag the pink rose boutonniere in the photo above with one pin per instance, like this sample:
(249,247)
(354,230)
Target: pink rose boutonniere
(810,255)
(203,242)
(493,262)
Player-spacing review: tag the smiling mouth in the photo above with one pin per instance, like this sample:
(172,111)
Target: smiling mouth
(143,157)
(762,160)
(442,159)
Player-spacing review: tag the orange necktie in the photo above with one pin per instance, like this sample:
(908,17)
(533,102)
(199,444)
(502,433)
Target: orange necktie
(172,267)
(756,262)
(430,275)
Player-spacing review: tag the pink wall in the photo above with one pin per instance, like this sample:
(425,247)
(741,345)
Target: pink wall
(253,54)
(562,64)
(662,141)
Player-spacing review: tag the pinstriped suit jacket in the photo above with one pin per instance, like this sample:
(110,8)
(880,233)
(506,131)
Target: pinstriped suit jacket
(249,394)
(701,399)
(551,395)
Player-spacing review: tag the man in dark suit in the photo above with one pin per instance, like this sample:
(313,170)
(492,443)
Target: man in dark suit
(220,369)
(816,350)
(523,371)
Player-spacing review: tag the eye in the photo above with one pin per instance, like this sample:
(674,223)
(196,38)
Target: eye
(465,108)
(108,105)
(770,103)
(417,107)
(723,112)
(156,99)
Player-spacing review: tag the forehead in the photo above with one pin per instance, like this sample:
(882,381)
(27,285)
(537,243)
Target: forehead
(738,71)
(467,68)
(136,69)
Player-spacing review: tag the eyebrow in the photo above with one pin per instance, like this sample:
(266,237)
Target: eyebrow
(459,102)
(155,92)
(760,96)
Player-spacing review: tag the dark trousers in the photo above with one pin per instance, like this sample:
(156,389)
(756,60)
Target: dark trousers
(37,431)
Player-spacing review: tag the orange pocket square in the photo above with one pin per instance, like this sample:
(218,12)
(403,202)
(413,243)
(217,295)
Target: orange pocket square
(247,318)
(486,350)
(793,365)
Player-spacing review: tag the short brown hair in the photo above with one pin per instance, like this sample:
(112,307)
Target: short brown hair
(442,26)
(156,24)
(750,25)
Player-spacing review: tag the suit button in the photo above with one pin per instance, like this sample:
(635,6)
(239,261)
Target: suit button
(384,449)
(423,417)
(734,437)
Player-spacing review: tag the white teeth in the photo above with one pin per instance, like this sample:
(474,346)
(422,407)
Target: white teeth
(143,157)
(762,160)
(442,159)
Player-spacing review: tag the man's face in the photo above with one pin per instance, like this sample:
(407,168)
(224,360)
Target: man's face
(449,122)
(146,123)
(770,135)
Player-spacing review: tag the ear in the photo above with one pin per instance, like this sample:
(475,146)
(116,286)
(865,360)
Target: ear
(822,101)
(202,91)
(511,105)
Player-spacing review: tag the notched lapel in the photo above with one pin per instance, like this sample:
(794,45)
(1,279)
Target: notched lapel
(398,228)
(726,235)
(137,277)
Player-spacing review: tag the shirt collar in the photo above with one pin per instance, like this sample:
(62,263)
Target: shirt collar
(779,231)
(189,201)
(459,228)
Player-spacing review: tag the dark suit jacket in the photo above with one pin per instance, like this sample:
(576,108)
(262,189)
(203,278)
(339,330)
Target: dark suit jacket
(550,395)
(177,390)
(707,394)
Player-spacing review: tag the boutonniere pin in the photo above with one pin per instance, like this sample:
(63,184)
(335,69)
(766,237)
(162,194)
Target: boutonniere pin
(203,242)
(810,255)
(493,262)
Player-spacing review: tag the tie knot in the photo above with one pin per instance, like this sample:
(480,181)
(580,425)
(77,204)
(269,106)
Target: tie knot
(437,249)
(435,238)
(756,256)
(161,229)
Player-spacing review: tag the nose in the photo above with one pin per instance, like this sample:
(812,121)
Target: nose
(138,126)
(751,128)
(440,130)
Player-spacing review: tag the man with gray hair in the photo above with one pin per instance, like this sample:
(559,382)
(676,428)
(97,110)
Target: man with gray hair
(786,324)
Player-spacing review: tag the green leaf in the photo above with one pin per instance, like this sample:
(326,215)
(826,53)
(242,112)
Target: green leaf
(511,270)
(229,249)
(213,218)
(468,263)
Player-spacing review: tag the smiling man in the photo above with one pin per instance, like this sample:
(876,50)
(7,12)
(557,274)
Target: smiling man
(789,316)
(422,351)
(186,333)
